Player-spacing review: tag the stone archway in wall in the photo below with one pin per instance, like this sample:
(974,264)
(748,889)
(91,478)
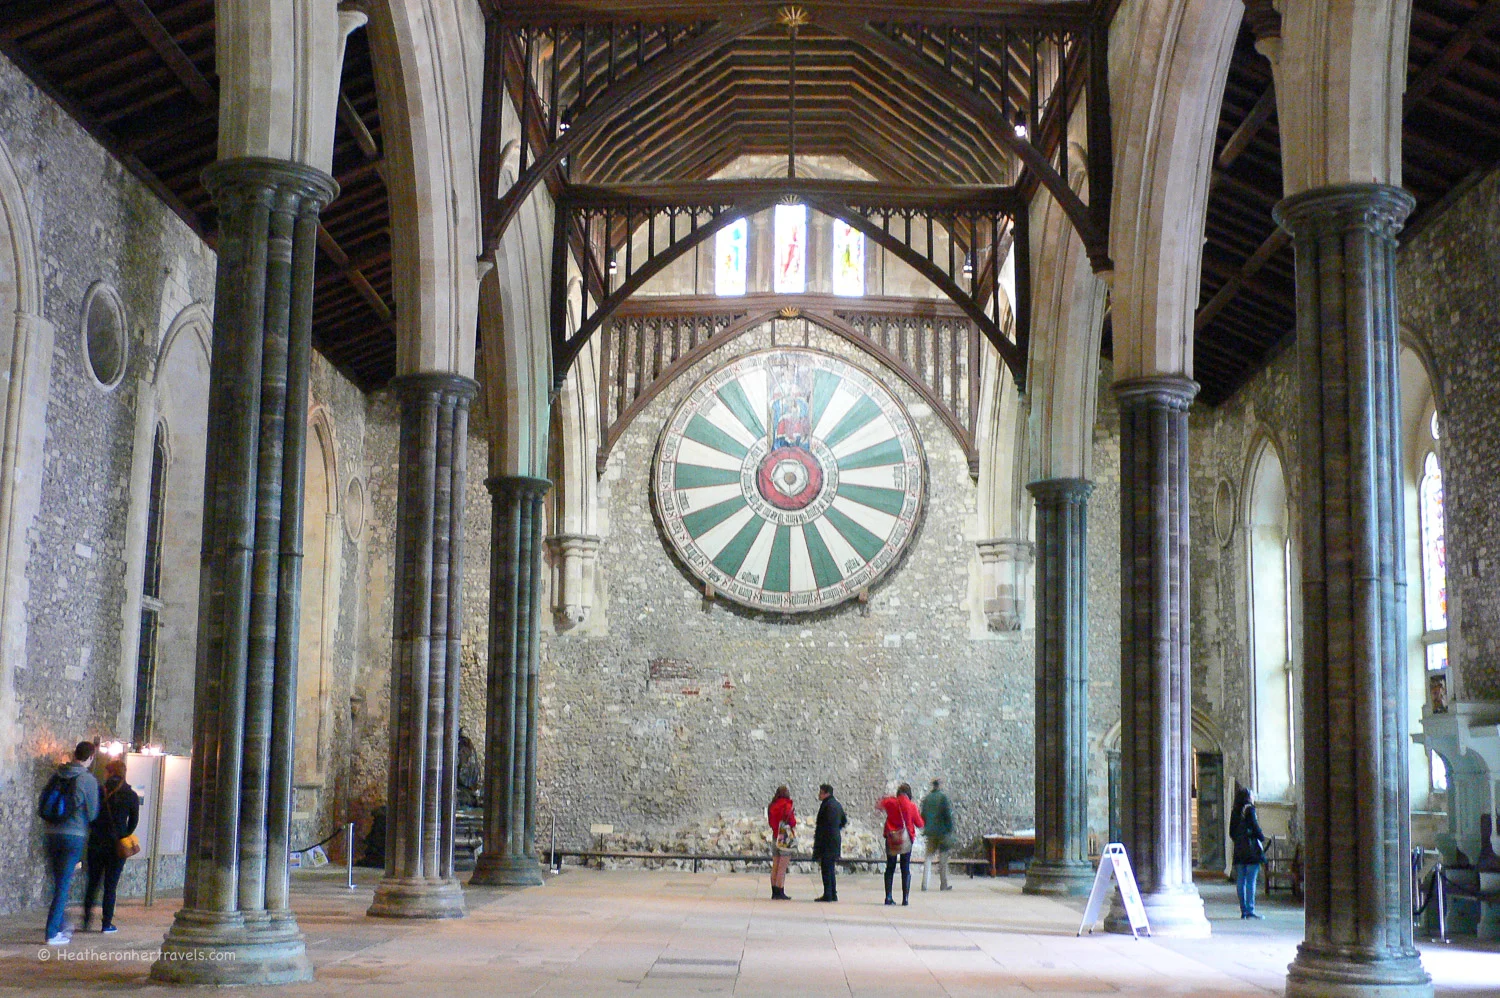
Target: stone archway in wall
(1213,791)
(172,399)
(321,569)
(26,363)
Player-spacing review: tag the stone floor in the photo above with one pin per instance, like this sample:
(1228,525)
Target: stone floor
(677,933)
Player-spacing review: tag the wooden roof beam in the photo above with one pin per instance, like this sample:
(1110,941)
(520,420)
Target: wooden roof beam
(357,128)
(1260,113)
(1452,53)
(145,22)
(1239,280)
(340,259)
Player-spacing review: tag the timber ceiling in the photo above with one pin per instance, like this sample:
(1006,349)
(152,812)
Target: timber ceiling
(139,75)
(1450,138)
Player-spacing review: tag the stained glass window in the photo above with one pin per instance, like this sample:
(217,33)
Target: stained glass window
(731,258)
(791,249)
(1434,553)
(848,259)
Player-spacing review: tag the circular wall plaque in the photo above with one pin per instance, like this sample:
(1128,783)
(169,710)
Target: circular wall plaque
(789,480)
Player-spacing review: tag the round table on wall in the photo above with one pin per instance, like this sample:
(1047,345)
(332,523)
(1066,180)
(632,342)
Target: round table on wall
(789,480)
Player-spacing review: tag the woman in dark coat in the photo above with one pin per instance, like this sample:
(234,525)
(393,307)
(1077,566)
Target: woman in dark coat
(119,812)
(1249,849)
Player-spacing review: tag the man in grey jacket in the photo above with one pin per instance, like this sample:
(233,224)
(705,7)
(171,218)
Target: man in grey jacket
(65,840)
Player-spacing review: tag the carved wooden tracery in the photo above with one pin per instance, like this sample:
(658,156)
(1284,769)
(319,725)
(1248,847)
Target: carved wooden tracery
(970,113)
(933,346)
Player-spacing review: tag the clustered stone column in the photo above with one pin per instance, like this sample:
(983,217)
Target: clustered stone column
(517,529)
(427,635)
(235,926)
(1156,723)
(1062,862)
(1358,879)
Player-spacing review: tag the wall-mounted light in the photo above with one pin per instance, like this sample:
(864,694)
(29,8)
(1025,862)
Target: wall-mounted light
(614,266)
(113,749)
(969,265)
(1020,129)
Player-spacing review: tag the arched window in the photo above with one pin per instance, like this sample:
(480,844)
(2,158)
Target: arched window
(1434,555)
(848,260)
(151,604)
(790,273)
(731,258)
(1271,627)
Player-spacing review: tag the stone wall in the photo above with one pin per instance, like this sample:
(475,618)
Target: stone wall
(863,697)
(93,222)
(1223,442)
(1449,283)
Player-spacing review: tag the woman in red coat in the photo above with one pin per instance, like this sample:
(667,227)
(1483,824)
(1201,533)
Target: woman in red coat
(782,817)
(902,819)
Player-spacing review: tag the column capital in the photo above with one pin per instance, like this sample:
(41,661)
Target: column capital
(1170,391)
(252,177)
(1057,491)
(569,543)
(427,384)
(1378,208)
(517,486)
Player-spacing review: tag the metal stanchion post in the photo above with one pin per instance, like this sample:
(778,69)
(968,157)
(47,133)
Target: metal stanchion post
(1441,899)
(349,854)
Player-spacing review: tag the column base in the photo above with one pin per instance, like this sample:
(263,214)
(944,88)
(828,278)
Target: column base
(1172,914)
(497,870)
(1335,975)
(232,948)
(1071,879)
(418,897)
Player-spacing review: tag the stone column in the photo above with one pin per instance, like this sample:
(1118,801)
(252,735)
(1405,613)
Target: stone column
(235,926)
(517,529)
(425,656)
(1156,717)
(1355,741)
(1062,689)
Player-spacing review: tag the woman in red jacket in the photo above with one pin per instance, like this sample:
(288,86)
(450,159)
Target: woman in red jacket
(902,819)
(782,817)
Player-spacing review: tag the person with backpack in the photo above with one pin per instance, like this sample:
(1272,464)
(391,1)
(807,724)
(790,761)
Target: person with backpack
(111,843)
(69,805)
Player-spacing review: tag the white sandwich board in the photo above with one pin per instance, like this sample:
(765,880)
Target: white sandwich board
(1114,866)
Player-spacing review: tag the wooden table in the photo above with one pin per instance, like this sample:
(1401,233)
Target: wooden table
(1004,848)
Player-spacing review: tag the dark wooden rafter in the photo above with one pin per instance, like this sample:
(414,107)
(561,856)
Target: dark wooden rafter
(931,345)
(145,22)
(585,77)
(627,74)
(674,219)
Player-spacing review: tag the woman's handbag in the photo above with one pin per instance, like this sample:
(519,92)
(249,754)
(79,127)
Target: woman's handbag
(128,846)
(897,841)
(786,836)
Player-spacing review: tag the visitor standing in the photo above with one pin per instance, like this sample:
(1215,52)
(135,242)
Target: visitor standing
(901,823)
(782,817)
(937,815)
(69,804)
(111,843)
(828,840)
(1249,849)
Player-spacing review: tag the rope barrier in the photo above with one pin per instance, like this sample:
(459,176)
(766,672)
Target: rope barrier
(322,842)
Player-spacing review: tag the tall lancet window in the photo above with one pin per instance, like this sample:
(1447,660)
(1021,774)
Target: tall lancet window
(1434,560)
(848,260)
(790,275)
(151,604)
(731,257)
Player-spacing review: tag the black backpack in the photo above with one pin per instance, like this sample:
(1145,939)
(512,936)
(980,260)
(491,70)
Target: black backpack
(58,800)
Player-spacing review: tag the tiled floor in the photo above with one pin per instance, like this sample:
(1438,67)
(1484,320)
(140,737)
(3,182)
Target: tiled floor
(675,933)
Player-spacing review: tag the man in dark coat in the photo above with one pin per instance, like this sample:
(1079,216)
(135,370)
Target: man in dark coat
(828,840)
